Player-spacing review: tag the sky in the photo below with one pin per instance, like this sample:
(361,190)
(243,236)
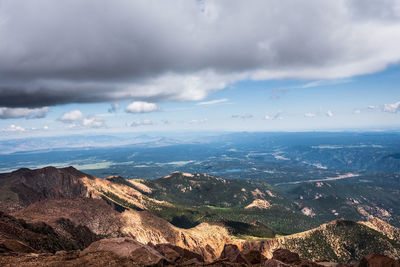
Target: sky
(97,66)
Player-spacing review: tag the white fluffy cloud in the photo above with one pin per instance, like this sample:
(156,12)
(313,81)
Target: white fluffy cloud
(392,108)
(93,122)
(141,107)
(76,119)
(57,52)
(329,113)
(72,116)
(27,113)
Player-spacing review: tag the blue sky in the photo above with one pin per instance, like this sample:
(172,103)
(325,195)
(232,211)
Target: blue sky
(226,65)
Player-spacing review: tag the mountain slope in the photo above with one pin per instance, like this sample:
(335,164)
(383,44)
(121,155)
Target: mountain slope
(206,239)
(328,201)
(337,241)
(89,208)
(201,197)
(20,188)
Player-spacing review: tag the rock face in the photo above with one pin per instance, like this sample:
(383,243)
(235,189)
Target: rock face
(23,187)
(337,241)
(66,259)
(259,204)
(128,248)
(384,228)
(286,256)
(19,236)
(376,260)
(205,239)
(232,254)
(95,214)
(275,263)
(178,255)
(292,259)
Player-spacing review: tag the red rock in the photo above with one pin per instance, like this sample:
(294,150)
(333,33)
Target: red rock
(285,256)
(275,263)
(128,248)
(177,254)
(232,254)
(376,260)
(254,256)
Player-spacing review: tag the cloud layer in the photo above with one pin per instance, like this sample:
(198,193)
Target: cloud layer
(28,113)
(57,52)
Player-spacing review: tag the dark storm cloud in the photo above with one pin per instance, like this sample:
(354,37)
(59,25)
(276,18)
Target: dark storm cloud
(77,51)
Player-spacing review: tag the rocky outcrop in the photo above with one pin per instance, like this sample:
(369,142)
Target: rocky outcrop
(376,260)
(24,186)
(384,228)
(292,259)
(95,214)
(128,248)
(231,253)
(66,259)
(205,239)
(259,204)
(178,255)
(20,236)
(337,241)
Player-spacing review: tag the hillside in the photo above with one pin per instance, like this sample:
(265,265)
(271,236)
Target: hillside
(328,201)
(90,209)
(202,197)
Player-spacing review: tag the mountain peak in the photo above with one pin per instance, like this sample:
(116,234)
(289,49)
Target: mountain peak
(179,174)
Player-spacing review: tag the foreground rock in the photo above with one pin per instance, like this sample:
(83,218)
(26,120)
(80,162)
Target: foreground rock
(292,259)
(376,260)
(16,235)
(178,255)
(232,254)
(66,259)
(128,248)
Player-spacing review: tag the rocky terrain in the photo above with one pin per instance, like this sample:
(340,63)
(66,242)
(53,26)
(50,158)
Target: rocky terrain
(62,216)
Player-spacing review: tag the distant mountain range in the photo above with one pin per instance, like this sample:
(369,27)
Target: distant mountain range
(64,215)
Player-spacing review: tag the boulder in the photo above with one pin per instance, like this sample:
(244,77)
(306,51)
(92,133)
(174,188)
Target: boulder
(128,248)
(12,245)
(177,254)
(286,256)
(254,256)
(291,258)
(275,263)
(377,260)
(232,254)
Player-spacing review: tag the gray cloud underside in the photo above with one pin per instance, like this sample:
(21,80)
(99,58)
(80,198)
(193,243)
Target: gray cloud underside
(57,52)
